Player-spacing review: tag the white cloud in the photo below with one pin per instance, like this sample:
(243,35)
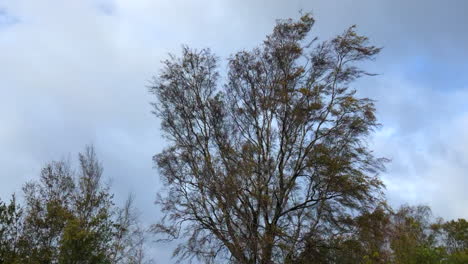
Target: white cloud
(425,135)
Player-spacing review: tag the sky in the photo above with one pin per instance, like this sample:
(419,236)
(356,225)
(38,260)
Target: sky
(76,72)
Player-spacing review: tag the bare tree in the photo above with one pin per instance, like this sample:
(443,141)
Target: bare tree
(130,236)
(273,161)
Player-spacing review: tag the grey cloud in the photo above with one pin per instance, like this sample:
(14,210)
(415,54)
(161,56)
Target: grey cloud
(7,19)
(74,72)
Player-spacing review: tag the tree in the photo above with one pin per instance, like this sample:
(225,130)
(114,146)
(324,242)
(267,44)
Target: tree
(70,217)
(369,241)
(130,237)
(68,214)
(414,236)
(455,237)
(47,210)
(275,161)
(11,228)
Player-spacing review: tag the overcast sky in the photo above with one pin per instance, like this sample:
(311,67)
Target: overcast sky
(74,72)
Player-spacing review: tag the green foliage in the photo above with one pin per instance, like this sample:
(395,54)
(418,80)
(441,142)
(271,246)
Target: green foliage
(457,258)
(456,235)
(11,232)
(408,236)
(69,218)
(82,244)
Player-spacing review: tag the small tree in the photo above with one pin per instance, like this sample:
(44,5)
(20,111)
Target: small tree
(130,237)
(11,232)
(273,161)
(455,238)
(70,217)
(415,236)
(369,243)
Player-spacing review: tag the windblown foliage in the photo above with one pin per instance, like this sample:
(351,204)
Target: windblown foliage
(273,161)
(69,217)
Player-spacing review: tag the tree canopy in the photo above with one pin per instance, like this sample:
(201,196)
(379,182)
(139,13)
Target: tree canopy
(69,217)
(274,160)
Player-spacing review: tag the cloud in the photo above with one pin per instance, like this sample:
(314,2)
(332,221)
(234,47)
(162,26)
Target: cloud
(424,134)
(7,19)
(75,72)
